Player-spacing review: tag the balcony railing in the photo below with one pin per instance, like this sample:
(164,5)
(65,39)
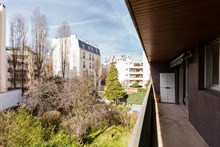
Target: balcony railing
(145,127)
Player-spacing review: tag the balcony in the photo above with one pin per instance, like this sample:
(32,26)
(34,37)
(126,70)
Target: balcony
(136,67)
(135,78)
(164,125)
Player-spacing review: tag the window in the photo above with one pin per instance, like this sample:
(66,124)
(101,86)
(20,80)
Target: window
(212,66)
(84,55)
(90,65)
(83,45)
(84,64)
(89,47)
(92,57)
(89,56)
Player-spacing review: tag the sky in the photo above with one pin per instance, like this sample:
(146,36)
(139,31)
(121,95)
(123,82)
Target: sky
(105,23)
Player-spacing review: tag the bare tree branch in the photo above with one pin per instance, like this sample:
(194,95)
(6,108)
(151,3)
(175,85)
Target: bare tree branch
(63,33)
(40,40)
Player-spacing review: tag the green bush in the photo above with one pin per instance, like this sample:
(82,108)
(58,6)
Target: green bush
(142,90)
(135,85)
(19,128)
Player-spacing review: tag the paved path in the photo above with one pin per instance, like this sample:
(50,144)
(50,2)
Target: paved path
(176,130)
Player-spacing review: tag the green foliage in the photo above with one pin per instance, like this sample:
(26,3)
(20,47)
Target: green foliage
(60,139)
(62,114)
(20,129)
(136,98)
(135,85)
(113,88)
(142,90)
(147,84)
(114,136)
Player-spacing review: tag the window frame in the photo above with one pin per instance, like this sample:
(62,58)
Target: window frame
(84,55)
(210,83)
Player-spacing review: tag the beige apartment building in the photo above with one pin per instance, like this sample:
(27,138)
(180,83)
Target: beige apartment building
(3,61)
(25,69)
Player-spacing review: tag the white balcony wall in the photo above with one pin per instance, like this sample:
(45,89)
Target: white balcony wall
(10,99)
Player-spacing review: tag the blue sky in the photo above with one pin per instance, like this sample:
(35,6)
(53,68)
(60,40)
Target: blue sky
(105,23)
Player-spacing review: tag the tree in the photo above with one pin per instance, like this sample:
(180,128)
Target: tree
(97,73)
(40,40)
(135,84)
(113,89)
(63,33)
(18,33)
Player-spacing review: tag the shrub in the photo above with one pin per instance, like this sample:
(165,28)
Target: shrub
(20,129)
(135,85)
(142,90)
(42,97)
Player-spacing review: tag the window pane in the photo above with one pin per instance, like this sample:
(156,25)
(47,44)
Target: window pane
(215,74)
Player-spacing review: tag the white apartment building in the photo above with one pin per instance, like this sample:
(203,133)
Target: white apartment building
(130,71)
(82,57)
(3,57)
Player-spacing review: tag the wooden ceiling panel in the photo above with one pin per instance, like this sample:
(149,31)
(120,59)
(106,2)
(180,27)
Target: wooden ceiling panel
(167,28)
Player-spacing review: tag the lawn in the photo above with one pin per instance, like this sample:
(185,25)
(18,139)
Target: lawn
(113,136)
(136,98)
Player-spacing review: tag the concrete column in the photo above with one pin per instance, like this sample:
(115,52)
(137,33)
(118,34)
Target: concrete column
(3,57)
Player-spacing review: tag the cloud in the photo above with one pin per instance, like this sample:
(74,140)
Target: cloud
(105,23)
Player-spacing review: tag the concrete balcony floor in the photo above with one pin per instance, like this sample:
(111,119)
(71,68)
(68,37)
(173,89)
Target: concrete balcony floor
(176,130)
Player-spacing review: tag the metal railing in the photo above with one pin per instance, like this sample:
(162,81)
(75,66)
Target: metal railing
(144,133)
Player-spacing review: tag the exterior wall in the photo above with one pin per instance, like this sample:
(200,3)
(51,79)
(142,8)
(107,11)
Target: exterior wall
(122,67)
(10,99)
(92,62)
(135,73)
(146,70)
(129,73)
(204,105)
(3,60)
(29,66)
(75,58)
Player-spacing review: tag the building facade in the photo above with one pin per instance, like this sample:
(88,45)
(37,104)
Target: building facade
(23,71)
(81,57)
(129,71)
(3,60)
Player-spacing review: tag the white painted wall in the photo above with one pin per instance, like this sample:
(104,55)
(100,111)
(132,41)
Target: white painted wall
(75,58)
(122,72)
(10,99)
(146,69)
(3,57)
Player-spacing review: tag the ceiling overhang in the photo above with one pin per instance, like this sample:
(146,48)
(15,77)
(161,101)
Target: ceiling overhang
(167,28)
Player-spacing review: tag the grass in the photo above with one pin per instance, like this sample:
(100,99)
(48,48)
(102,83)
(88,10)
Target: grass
(114,136)
(136,98)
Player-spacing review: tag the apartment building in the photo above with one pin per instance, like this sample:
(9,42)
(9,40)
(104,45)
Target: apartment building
(3,60)
(129,70)
(21,67)
(81,57)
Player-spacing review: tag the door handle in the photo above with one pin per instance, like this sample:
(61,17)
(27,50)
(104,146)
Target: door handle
(167,87)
